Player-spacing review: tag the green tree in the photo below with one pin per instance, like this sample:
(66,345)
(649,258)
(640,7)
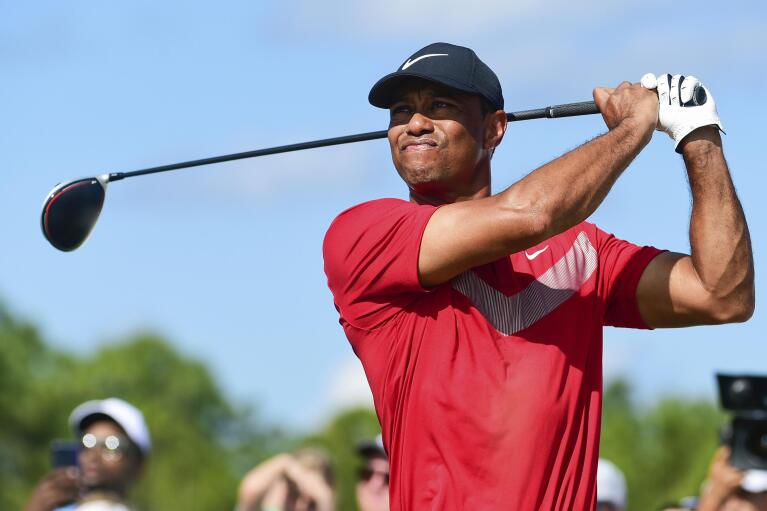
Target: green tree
(190,467)
(203,443)
(199,437)
(339,438)
(28,408)
(663,450)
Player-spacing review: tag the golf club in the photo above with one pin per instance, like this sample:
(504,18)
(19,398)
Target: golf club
(71,209)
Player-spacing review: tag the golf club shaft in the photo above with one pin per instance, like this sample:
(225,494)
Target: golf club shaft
(549,112)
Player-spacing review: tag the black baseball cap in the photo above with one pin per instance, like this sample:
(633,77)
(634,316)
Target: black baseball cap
(372,448)
(454,66)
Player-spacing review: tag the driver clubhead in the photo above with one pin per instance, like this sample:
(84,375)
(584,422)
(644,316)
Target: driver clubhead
(71,210)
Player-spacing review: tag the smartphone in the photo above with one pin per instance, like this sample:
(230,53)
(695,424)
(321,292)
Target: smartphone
(64,453)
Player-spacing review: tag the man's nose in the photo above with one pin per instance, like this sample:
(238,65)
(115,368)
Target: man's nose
(419,124)
(89,455)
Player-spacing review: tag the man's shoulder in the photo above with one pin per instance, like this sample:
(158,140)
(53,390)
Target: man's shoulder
(371,208)
(364,214)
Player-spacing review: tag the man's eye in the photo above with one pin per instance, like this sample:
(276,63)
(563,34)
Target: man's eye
(437,105)
(401,109)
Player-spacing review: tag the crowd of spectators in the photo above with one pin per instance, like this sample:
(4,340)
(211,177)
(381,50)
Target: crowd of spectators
(113,446)
(726,488)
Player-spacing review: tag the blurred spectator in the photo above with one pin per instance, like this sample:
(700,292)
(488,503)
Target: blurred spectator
(302,481)
(730,489)
(373,483)
(114,444)
(611,487)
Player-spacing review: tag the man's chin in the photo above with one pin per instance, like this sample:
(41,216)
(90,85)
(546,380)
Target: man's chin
(421,175)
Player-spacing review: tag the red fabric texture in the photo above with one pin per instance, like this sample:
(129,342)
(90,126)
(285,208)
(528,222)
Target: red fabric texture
(488,388)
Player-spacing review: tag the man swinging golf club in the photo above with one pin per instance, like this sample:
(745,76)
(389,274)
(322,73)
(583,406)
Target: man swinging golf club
(478,317)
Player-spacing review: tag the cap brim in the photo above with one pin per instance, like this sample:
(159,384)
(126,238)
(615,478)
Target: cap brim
(370,449)
(83,412)
(125,415)
(383,93)
(754,481)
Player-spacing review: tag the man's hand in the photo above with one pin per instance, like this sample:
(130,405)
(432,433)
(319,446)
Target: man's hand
(311,486)
(715,283)
(685,105)
(723,481)
(628,103)
(59,488)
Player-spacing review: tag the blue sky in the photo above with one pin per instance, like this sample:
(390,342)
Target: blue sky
(226,260)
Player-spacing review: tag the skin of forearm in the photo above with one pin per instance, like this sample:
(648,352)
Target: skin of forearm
(567,190)
(719,237)
(256,483)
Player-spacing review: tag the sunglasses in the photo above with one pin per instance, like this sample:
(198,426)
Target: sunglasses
(112,447)
(367,473)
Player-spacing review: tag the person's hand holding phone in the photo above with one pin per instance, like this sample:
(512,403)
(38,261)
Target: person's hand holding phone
(59,488)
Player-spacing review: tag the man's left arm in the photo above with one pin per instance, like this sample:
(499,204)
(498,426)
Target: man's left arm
(715,283)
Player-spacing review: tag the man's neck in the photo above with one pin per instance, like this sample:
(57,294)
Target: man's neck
(440,199)
(473,185)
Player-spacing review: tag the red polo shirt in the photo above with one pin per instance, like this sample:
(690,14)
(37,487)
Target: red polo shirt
(488,387)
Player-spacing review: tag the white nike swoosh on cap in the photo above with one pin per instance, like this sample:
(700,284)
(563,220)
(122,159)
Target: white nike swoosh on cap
(535,254)
(409,62)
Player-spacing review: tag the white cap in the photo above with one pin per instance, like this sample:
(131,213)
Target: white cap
(754,481)
(127,416)
(611,485)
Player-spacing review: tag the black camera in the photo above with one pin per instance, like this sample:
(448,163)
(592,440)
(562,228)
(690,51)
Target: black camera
(746,397)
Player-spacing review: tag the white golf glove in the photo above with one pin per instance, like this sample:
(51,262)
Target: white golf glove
(685,105)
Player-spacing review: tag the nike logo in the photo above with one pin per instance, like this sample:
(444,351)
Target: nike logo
(535,254)
(409,62)
(511,314)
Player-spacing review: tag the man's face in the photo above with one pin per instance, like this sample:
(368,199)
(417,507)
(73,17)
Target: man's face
(107,459)
(373,485)
(441,140)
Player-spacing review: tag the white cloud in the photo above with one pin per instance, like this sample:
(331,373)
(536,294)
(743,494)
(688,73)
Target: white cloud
(319,170)
(617,356)
(347,387)
(555,46)
(308,169)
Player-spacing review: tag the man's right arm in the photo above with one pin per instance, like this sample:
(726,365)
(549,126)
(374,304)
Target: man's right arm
(546,202)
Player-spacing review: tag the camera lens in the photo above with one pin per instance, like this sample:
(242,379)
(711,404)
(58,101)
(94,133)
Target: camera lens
(740,391)
(756,441)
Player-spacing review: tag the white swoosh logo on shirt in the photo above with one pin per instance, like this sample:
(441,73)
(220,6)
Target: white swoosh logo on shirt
(511,314)
(535,254)
(409,62)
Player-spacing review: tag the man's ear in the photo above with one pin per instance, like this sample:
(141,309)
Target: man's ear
(495,127)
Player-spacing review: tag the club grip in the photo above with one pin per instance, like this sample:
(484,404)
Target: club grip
(570,109)
(552,112)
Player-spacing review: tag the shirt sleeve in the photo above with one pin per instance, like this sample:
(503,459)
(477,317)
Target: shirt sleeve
(621,266)
(371,260)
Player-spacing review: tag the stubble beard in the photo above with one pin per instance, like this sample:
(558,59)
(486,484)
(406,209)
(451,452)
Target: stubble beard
(424,177)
